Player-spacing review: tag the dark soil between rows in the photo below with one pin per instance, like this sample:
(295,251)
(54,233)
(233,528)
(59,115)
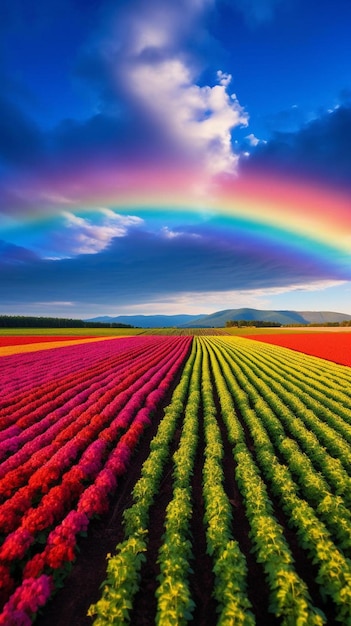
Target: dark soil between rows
(70,604)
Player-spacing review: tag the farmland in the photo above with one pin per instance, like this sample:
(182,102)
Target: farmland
(210,475)
(335,346)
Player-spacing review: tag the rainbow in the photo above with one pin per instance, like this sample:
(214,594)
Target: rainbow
(289,212)
(299,210)
(318,211)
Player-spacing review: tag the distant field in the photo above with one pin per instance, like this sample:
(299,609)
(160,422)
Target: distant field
(66,333)
(21,345)
(287,330)
(70,332)
(333,347)
(14,340)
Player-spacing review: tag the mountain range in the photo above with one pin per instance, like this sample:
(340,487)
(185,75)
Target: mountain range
(219,318)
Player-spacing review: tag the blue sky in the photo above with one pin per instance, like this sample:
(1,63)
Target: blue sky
(135,139)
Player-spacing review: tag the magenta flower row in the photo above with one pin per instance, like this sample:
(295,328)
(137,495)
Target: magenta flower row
(65,473)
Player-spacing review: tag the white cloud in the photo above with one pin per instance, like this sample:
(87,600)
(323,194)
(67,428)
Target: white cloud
(212,301)
(86,236)
(223,78)
(253,141)
(158,76)
(198,118)
(168,233)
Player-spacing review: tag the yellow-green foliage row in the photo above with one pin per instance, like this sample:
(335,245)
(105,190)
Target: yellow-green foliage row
(287,417)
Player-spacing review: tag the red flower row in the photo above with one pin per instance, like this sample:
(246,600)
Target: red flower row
(97,454)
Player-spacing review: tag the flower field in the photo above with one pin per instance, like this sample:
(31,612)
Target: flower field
(332,346)
(209,475)
(24,340)
(70,420)
(19,345)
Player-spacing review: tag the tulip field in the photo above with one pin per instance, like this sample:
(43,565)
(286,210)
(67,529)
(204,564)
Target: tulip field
(335,346)
(178,479)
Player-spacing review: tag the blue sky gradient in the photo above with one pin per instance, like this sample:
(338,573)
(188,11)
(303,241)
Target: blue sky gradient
(134,138)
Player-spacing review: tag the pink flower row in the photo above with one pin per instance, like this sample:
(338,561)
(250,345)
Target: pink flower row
(14,437)
(60,428)
(49,463)
(22,371)
(25,372)
(60,372)
(68,506)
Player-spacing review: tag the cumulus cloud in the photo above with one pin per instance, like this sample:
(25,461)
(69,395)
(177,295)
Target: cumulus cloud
(200,119)
(66,236)
(253,141)
(81,235)
(150,105)
(152,76)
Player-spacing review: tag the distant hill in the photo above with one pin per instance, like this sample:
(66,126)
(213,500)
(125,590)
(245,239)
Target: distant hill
(219,319)
(149,321)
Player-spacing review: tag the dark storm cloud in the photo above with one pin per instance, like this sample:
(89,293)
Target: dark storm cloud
(108,136)
(14,255)
(320,148)
(21,142)
(144,267)
(288,120)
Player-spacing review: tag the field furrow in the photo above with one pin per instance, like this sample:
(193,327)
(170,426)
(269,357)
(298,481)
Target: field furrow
(238,510)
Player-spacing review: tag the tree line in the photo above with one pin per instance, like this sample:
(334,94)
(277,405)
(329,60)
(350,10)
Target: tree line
(263,324)
(255,323)
(23,321)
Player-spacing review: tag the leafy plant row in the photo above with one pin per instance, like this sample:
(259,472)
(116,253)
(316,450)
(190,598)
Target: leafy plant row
(42,519)
(174,602)
(335,346)
(295,418)
(230,568)
(123,568)
(218,369)
(301,392)
(304,367)
(320,510)
(289,596)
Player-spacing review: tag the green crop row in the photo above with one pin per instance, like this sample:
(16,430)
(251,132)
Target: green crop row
(304,366)
(230,568)
(301,395)
(174,602)
(311,482)
(289,596)
(123,568)
(287,419)
(271,388)
(334,573)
